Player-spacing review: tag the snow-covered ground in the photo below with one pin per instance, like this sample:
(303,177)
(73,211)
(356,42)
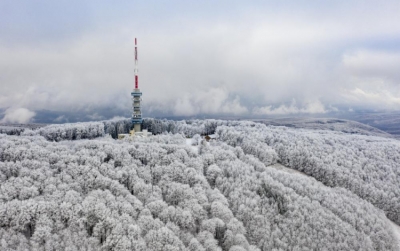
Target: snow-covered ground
(288,170)
(396,231)
(189,143)
(395,228)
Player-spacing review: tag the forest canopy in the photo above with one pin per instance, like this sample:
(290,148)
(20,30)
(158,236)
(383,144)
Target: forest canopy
(74,187)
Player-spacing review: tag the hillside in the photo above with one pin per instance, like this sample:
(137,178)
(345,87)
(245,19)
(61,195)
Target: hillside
(339,125)
(73,187)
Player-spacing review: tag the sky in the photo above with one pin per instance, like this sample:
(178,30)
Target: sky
(65,61)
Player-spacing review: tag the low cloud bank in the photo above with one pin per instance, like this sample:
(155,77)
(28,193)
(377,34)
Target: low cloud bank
(315,107)
(18,115)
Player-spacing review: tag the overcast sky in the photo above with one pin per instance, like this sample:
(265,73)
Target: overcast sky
(241,58)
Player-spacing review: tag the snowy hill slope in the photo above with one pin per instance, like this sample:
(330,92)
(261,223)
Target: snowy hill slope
(157,193)
(394,226)
(386,121)
(368,166)
(339,125)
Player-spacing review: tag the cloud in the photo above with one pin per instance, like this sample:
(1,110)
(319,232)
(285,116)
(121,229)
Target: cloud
(373,79)
(117,118)
(215,58)
(95,116)
(212,101)
(374,98)
(315,107)
(373,63)
(60,119)
(18,115)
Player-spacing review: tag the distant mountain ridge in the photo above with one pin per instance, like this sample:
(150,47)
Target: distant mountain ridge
(332,124)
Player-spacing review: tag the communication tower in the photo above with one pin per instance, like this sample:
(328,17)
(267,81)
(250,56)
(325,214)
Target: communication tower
(136,98)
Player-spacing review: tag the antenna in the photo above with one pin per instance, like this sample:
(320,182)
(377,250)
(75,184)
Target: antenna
(136,67)
(136,98)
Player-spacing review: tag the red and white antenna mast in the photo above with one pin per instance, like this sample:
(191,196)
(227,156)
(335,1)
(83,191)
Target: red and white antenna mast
(136,98)
(136,67)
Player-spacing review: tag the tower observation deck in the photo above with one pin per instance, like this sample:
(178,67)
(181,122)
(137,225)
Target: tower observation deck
(136,98)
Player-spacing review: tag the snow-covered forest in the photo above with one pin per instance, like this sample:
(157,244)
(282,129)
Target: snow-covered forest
(74,187)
